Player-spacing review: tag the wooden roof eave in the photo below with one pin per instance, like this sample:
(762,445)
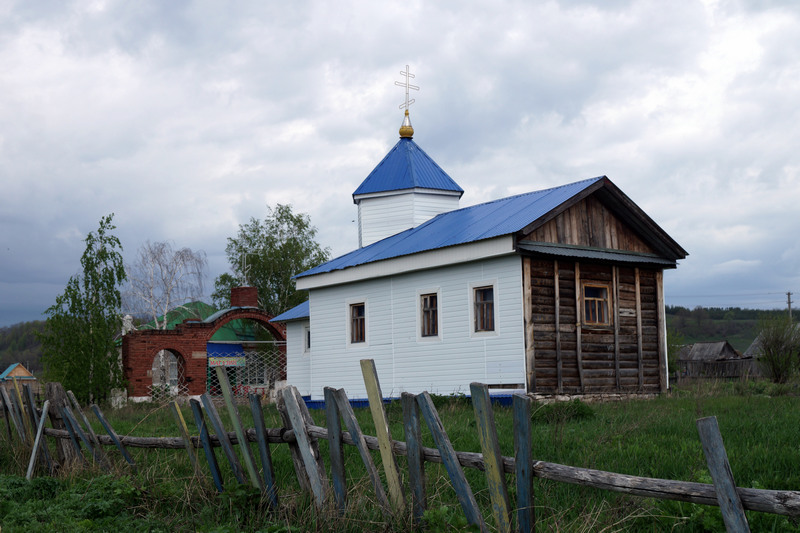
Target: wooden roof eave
(624,208)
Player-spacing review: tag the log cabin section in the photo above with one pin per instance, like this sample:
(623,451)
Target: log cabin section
(593,297)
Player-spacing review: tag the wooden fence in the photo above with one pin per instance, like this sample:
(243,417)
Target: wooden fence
(75,438)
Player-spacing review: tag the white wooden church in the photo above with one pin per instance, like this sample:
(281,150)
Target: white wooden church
(556,291)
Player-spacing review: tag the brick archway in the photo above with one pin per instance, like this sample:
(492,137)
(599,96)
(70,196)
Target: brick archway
(188,342)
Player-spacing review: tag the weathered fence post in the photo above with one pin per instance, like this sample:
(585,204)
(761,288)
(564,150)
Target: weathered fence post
(36,419)
(6,415)
(98,453)
(37,442)
(233,412)
(729,502)
(113,435)
(13,412)
(416,459)
(463,491)
(184,431)
(222,435)
(316,475)
(297,457)
(354,429)
(335,446)
(263,450)
(206,441)
(26,420)
(492,458)
(55,393)
(521,405)
(375,397)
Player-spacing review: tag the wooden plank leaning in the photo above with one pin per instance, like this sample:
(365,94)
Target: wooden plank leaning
(383,433)
(316,475)
(99,455)
(233,413)
(55,392)
(360,442)
(729,501)
(416,457)
(35,419)
(521,406)
(270,486)
(12,411)
(73,436)
(37,442)
(222,436)
(336,449)
(492,458)
(66,412)
(294,450)
(187,440)
(197,412)
(26,421)
(7,416)
(114,437)
(463,491)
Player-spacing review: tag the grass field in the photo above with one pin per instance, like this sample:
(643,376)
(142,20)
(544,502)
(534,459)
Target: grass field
(760,425)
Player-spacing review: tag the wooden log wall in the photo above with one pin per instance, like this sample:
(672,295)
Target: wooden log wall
(570,357)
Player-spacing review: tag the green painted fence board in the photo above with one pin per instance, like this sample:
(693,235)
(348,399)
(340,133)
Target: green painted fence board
(416,459)
(336,449)
(233,412)
(382,432)
(521,406)
(492,458)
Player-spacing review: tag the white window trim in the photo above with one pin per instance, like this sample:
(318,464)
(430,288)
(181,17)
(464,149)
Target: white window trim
(471,311)
(348,303)
(433,338)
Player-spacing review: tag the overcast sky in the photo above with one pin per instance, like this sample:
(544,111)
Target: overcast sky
(185,119)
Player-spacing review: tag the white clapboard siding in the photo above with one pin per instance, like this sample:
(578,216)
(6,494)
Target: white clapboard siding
(298,362)
(405,361)
(383,216)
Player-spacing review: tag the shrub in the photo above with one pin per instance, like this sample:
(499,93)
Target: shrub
(779,344)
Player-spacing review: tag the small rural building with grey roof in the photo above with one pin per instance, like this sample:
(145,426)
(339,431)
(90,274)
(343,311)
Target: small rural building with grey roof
(716,359)
(556,291)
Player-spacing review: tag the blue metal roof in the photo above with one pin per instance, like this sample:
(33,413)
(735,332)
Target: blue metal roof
(470,224)
(295,313)
(5,375)
(407,166)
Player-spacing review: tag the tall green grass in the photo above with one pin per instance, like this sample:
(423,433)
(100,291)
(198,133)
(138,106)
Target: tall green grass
(654,438)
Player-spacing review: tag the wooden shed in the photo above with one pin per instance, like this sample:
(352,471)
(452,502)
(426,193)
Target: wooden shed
(716,359)
(23,377)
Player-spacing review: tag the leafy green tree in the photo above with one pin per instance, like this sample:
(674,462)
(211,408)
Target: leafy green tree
(778,347)
(78,338)
(266,254)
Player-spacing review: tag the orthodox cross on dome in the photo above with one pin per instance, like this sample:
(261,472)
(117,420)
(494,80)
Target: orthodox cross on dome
(408,86)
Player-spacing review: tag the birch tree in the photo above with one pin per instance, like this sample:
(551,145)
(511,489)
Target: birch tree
(162,279)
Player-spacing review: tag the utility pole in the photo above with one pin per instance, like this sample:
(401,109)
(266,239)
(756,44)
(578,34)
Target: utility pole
(789,303)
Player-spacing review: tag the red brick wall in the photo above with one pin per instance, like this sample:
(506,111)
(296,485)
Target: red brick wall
(244,297)
(188,342)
